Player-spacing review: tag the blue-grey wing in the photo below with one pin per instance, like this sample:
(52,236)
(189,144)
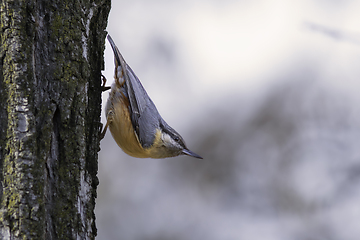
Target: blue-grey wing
(145,117)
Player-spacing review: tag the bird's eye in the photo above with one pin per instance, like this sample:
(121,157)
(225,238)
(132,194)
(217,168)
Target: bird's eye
(177,139)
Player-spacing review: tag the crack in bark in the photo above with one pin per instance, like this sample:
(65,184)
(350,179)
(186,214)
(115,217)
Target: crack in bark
(49,152)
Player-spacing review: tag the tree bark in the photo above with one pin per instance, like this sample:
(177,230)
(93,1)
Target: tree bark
(51,57)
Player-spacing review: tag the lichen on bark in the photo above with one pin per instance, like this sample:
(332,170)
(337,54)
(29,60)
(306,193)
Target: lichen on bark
(51,57)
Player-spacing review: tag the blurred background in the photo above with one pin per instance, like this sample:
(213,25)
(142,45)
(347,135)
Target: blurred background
(267,91)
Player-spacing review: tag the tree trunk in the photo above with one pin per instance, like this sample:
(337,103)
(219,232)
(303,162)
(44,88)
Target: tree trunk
(51,56)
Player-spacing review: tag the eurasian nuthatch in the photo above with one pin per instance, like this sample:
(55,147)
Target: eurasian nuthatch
(133,119)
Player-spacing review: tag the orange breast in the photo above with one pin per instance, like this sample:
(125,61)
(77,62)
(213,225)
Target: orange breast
(121,127)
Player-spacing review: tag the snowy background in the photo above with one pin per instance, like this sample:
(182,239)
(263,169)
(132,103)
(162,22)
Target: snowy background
(267,91)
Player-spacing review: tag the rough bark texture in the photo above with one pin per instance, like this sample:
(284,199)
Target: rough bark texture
(51,56)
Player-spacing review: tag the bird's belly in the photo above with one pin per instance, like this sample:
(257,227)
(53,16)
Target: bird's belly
(122,130)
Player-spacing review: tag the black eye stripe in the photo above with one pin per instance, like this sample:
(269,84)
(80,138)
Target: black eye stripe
(173,134)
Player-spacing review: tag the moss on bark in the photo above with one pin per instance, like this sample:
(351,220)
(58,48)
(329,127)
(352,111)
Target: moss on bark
(51,57)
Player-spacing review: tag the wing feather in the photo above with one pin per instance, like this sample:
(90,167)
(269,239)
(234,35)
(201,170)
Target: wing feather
(144,115)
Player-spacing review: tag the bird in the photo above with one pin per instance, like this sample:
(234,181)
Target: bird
(133,119)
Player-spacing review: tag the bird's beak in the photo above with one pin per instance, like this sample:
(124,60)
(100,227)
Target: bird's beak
(191,154)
